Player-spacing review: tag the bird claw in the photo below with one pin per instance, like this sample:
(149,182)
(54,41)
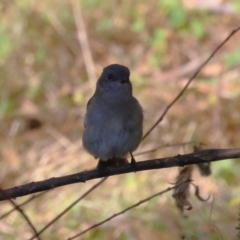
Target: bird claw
(101,167)
(133,163)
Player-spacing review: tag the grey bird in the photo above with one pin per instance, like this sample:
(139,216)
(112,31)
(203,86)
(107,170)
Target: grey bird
(114,118)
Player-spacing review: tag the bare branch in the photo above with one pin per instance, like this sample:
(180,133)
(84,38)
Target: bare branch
(189,81)
(22,204)
(68,208)
(163,146)
(125,210)
(22,213)
(209,155)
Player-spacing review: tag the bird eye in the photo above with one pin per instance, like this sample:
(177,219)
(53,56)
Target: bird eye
(109,76)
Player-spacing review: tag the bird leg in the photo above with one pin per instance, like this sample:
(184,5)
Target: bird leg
(133,162)
(101,166)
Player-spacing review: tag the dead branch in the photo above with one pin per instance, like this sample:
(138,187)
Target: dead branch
(209,155)
(125,210)
(22,213)
(68,208)
(190,80)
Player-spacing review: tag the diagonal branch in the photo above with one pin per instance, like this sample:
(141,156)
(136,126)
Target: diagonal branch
(209,155)
(189,81)
(125,210)
(21,205)
(68,208)
(22,213)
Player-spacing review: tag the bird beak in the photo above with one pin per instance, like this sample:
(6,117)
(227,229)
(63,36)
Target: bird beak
(124,80)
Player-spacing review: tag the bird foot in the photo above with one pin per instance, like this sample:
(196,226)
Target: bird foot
(102,166)
(133,162)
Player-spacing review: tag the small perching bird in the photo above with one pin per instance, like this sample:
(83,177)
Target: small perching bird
(114,118)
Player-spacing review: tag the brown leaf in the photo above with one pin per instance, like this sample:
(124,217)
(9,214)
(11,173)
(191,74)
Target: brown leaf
(181,192)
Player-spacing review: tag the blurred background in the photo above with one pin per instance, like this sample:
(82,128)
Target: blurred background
(51,54)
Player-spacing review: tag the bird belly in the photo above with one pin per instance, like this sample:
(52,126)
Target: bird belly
(106,142)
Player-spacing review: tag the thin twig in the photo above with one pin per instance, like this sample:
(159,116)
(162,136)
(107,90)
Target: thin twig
(189,81)
(163,146)
(68,208)
(22,213)
(22,204)
(60,29)
(125,210)
(209,155)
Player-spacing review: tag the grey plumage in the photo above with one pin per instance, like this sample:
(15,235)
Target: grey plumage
(114,118)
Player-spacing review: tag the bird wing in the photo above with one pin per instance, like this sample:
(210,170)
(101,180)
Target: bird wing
(88,104)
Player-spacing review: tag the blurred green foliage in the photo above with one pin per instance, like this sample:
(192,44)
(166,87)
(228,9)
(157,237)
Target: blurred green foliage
(6,45)
(175,13)
(198,28)
(225,170)
(158,43)
(232,58)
